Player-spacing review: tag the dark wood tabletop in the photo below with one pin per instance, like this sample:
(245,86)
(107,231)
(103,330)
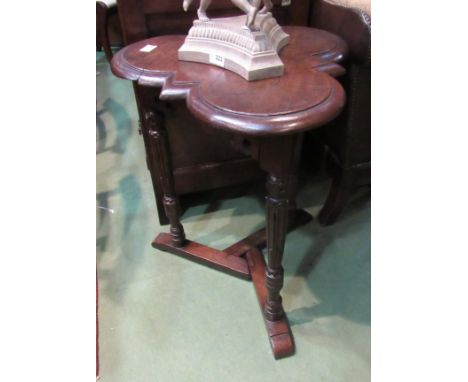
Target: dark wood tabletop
(306,96)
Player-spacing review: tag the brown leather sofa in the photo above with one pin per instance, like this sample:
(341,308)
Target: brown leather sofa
(347,140)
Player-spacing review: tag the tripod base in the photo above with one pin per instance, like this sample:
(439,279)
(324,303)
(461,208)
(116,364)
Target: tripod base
(244,260)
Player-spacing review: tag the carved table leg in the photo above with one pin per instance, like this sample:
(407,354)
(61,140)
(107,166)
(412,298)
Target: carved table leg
(279,333)
(161,155)
(277,203)
(279,157)
(243,259)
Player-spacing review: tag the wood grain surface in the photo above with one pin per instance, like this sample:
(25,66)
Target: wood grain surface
(306,97)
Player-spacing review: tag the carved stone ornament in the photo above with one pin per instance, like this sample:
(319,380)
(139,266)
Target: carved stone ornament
(251,52)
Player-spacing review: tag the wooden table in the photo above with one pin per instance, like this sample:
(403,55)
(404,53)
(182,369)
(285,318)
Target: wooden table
(266,119)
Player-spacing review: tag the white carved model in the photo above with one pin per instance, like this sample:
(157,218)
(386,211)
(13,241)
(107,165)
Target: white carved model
(250,8)
(247,45)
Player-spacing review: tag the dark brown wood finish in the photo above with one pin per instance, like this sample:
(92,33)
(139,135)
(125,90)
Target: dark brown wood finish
(224,100)
(230,260)
(162,158)
(202,157)
(267,119)
(258,239)
(244,260)
(278,330)
(102,35)
(221,260)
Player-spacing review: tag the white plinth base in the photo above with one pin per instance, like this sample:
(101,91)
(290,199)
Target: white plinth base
(226,42)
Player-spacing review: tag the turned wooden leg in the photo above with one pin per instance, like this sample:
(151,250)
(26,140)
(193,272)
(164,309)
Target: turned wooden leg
(162,161)
(278,206)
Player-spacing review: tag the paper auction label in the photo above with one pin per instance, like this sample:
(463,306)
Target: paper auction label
(148,48)
(217,59)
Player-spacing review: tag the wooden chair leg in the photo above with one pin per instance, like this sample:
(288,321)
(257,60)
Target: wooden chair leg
(337,197)
(98,28)
(277,210)
(101,27)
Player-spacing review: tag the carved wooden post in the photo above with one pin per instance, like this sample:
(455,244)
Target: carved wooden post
(162,160)
(279,157)
(278,205)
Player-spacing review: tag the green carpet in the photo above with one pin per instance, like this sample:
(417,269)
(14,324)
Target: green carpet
(163,318)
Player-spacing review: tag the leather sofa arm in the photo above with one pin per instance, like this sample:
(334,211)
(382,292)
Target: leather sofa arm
(345,19)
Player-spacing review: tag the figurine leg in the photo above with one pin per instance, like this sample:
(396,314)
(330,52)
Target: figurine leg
(186,4)
(161,155)
(249,9)
(252,14)
(204,4)
(278,205)
(267,6)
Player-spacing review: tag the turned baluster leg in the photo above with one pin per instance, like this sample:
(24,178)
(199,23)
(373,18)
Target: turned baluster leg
(161,155)
(277,206)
